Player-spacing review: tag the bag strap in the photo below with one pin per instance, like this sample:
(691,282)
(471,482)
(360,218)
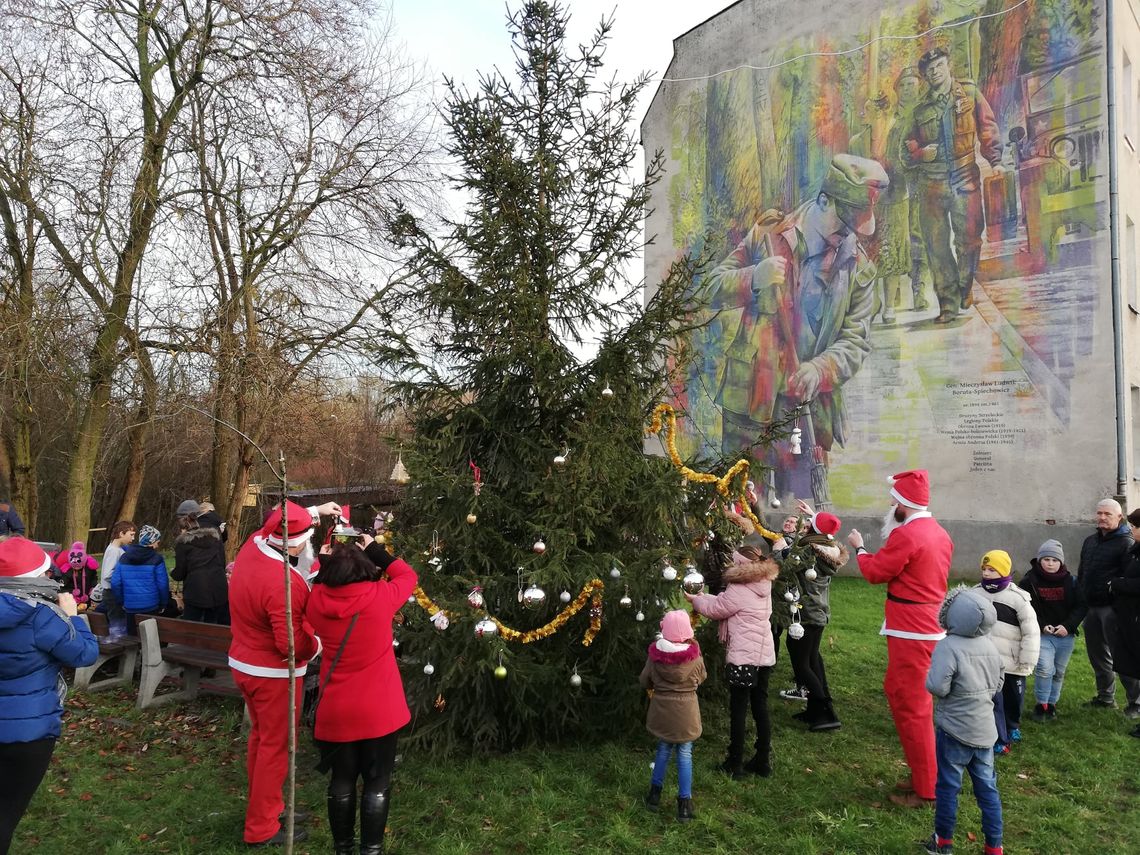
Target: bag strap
(336,659)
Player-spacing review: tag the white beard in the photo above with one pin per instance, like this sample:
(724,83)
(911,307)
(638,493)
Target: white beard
(889,523)
(306,558)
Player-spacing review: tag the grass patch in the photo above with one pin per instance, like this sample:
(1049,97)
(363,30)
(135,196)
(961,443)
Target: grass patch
(172,780)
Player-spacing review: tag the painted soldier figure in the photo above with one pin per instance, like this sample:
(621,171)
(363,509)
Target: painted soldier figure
(796,297)
(953,121)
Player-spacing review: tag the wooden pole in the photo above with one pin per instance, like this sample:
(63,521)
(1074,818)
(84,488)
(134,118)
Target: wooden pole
(291,776)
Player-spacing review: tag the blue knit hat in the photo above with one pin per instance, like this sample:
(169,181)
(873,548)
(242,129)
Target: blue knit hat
(149,535)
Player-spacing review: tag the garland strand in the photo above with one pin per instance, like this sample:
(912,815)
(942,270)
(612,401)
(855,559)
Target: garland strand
(591,592)
(665,422)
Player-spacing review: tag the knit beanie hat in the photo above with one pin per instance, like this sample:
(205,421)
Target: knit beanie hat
(676,626)
(999,560)
(1051,549)
(149,535)
(77,555)
(188,508)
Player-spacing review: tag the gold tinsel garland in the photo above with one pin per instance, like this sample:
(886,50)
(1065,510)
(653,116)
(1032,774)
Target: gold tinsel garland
(591,591)
(665,419)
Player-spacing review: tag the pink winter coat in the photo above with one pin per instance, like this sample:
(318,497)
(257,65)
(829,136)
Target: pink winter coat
(744,609)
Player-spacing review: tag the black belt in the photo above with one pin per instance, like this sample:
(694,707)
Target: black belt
(905,602)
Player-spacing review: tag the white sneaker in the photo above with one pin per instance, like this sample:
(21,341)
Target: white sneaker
(796,694)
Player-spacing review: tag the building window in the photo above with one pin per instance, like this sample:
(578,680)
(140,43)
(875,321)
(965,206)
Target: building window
(1128,257)
(1128,100)
(1136,433)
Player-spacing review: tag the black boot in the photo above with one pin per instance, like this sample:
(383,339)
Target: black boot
(653,800)
(373,818)
(825,718)
(733,767)
(684,810)
(758,765)
(342,823)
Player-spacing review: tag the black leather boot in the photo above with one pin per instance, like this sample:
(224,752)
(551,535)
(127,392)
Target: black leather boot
(684,810)
(342,823)
(373,818)
(758,765)
(653,800)
(825,718)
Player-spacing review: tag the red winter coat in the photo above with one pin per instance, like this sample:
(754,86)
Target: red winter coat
(364,699)
(257,614)
(915,563)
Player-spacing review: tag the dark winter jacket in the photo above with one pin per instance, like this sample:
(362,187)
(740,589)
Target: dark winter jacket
(10,522)
(211,519)
(140,582)
(1056,598)
(200,564)
(1104,555)
(815,594)
(673,672)
(1126,605)
(35,642)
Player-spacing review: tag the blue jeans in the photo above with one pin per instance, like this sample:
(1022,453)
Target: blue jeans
(955,757)
(1051,664)
(684,766)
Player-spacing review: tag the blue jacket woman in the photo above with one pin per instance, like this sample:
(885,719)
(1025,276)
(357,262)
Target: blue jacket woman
(39,634)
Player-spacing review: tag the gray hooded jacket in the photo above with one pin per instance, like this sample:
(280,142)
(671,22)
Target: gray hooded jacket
(966,670)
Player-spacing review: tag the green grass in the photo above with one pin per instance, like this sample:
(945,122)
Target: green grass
(172,780)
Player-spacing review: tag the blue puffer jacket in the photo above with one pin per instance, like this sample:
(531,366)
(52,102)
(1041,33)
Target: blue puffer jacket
(140,581)
(34,643)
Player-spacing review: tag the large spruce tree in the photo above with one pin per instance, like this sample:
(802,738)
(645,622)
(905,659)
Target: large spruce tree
(539,263)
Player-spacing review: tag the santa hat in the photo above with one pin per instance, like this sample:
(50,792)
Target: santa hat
(300,523)
(825,523)
(911,489)
(20,557)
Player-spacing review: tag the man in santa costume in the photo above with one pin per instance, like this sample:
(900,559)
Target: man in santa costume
(259,655)
(914,563)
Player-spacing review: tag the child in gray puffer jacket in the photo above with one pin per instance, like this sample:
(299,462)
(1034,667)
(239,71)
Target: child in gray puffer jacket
(966,672)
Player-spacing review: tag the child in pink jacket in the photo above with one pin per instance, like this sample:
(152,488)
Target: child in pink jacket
(744,609)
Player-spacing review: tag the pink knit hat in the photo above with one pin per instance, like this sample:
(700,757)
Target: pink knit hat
(676,627)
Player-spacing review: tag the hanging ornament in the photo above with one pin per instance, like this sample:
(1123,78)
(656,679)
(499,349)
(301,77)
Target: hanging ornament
(797,441)
(639,617)
(693,582)
(539,547)
(565,596)
(472,519)
(615,572)
(560,457)
(625,602)
(810,574)
(796,630)
(575,679)
(668,572)
(475,597)
(607,392)
(477,476)
(429,669)
(774,502)
(400,472)
(395,644)
(436,547)
(500,671)
(534,597)
(440,620)
(789,596)
(486,628)
(440,703)
(412,599)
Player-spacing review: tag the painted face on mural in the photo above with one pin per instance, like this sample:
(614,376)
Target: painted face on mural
(908,91)
(938,75)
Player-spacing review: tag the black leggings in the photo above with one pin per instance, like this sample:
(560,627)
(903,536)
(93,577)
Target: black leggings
(739,700)
(22,767)
(371,759)
(808,664)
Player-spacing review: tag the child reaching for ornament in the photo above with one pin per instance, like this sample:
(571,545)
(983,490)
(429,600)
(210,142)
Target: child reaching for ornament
(673,670)
(744,609)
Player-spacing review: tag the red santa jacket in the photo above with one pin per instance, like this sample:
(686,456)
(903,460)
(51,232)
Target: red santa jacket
(915,564)
(364,698)
(257,614)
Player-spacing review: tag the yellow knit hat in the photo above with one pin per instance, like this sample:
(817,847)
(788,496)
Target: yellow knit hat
(999,560)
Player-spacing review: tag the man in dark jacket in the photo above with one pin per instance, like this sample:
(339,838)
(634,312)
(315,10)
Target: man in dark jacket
(1104,557)
(10,522)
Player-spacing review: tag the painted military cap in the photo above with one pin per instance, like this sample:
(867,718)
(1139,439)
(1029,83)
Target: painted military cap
(927,58)
(853,184)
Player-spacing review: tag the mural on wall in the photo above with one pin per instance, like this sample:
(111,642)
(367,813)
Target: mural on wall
(906,242)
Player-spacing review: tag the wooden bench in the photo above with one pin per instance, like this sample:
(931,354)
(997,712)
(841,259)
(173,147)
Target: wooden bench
(181,648)
(124,648)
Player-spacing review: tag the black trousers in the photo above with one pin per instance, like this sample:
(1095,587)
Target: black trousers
(807,664)
(740,698)
(22,767)
(370,759)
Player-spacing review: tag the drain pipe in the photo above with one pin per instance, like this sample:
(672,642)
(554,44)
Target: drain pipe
(1114,239)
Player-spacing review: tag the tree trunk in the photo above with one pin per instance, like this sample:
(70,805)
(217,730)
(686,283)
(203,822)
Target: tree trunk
(237,500)
(137,438)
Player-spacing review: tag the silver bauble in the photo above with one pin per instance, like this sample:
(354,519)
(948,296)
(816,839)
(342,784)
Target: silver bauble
(625,602)
(774,502)
(607,392)
(639,617)
(668,572)
(789,596)
(395,643)
(486,628)
(810,574)
(615,573)
(534,597)
(564,596)
(693,582)
(429,669)
(440,621)
(575,680)
(559,460)
(539,547)
(796,631)
(475,598)
(412,598)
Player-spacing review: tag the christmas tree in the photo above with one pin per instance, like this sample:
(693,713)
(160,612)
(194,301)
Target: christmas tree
(549,544)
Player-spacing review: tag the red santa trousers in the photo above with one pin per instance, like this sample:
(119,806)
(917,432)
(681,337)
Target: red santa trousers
(908,661)
(267,753)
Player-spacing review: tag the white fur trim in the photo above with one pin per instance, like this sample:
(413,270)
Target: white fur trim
(921,515)
(667,646)
(913,636)
(263,671)
(902,500)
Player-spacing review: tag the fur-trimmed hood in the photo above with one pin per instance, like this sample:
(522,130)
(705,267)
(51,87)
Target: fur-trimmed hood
(196,534)
(691,651)
(966,613)
(764,570)
(833,553)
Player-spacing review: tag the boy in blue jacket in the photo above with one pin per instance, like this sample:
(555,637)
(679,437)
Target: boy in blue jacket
(140,582)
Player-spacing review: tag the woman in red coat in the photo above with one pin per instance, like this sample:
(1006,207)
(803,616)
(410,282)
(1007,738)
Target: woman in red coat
(362,703)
